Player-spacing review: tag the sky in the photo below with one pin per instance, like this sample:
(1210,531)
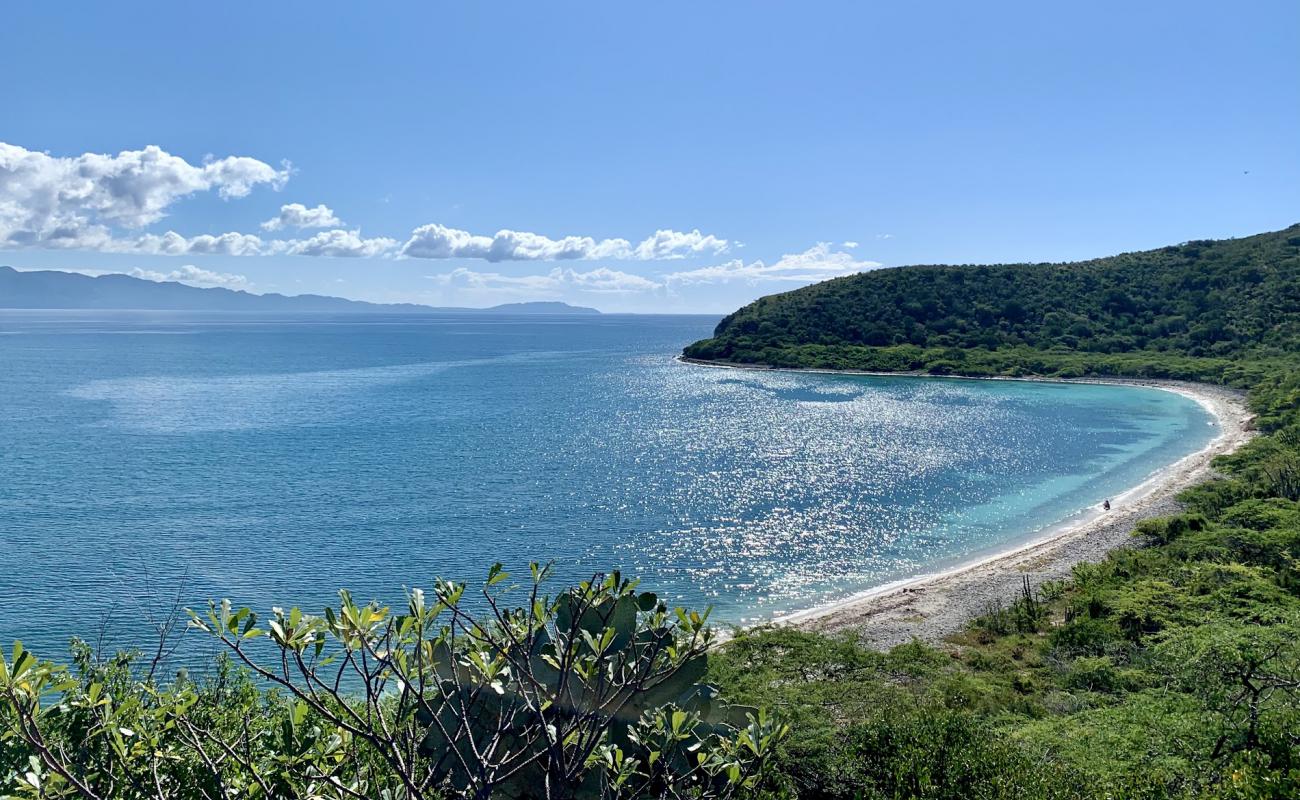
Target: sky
(649,157)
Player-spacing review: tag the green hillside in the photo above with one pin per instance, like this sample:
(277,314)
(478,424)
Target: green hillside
(1136,313)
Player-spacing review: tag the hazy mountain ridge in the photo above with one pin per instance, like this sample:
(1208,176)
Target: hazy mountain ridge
(52,289)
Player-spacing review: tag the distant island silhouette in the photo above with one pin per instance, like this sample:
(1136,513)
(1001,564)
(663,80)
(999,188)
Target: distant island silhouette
(53,289)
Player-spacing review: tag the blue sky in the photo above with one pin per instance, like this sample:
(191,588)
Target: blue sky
(772,144)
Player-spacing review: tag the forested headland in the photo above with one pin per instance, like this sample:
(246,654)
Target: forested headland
(1220,311)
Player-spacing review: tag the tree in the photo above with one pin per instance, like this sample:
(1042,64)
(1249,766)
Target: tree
(1248,676)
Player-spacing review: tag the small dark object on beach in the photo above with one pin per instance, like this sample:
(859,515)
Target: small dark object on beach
(1106,505)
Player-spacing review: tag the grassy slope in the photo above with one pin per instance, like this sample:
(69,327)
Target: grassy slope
(1170,671)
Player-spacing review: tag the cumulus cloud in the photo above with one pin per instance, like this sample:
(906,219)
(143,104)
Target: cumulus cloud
(235,176)
(194,276)
(297,215)
(600,280)
(439,241)
(668,244)
(817,263)
(172,243)
(72,201)
(849,245)
(336,243)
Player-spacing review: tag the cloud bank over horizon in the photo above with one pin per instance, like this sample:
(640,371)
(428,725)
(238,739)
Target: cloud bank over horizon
(439,241)
(103,203)
(85,203)
(817,263)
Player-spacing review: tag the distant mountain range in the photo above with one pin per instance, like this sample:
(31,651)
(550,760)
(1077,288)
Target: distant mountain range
(50,289)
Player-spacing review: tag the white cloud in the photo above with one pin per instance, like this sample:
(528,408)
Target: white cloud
(667,244)
(604,279)
(600,280)
(817,263)
(440,241)
(297,215)
(172,243)
(884,235)
(87,201)
(465,278)
(849,245)
(336,243)
(56,201)
(235,176)
(194,276)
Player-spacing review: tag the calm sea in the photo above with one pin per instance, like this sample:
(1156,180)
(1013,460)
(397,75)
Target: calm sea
(272,460)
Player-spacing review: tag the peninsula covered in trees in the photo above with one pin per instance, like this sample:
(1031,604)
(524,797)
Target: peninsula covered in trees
(1206,309)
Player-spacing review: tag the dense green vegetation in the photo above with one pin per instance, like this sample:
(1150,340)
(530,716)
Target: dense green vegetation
(1219,301)
(1168,671)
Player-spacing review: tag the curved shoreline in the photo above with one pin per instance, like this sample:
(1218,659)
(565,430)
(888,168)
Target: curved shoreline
(934,605)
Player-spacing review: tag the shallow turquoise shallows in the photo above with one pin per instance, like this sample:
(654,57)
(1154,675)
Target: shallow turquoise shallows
(272,461)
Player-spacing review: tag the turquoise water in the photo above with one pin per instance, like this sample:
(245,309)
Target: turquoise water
(272,460)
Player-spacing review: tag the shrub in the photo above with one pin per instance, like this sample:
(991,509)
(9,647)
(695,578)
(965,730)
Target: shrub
(593,692)
(1093,674)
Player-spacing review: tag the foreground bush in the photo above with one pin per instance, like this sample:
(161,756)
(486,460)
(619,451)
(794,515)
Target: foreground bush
(591,693)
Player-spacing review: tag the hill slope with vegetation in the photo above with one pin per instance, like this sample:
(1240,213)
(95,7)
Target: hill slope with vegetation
(1188,310)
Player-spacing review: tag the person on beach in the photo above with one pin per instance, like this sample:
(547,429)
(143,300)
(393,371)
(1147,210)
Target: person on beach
(1106,505)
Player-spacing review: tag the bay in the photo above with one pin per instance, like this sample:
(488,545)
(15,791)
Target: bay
(153,458)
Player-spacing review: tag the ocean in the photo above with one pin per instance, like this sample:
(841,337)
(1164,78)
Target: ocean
(149,459)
